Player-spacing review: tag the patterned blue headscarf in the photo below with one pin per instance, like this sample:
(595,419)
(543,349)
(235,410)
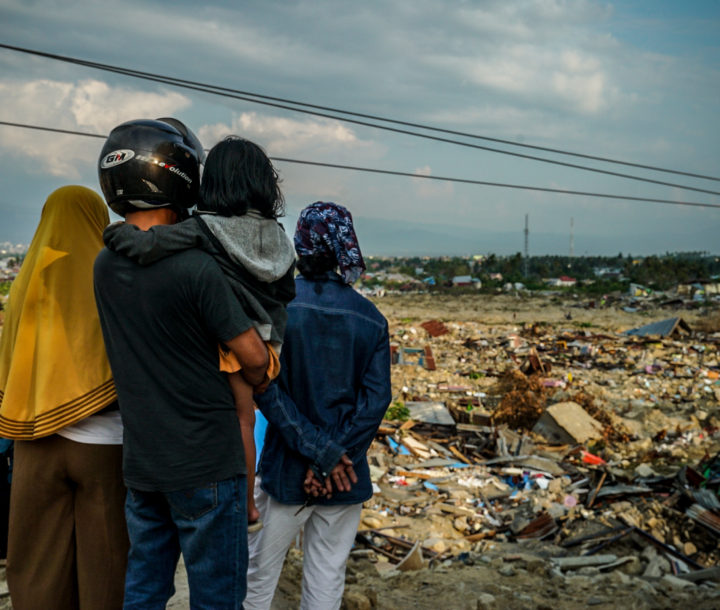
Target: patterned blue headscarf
(326,229)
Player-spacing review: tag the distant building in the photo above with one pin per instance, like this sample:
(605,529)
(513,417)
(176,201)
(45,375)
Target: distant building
(607,272)
(377,291)
(699,289)
(398,278)
(562,281)
(466,280)
(462,280)
(8,268)
(9,248)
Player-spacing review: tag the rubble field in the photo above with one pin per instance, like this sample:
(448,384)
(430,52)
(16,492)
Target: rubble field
(538,455)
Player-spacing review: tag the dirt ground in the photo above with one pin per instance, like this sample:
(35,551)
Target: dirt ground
(497,573)
(514,310)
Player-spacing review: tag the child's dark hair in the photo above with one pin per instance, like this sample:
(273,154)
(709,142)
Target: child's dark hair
(239,176)
(315,265)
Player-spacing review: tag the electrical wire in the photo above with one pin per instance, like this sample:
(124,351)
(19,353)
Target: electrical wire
(372,116)
(233,94)
(412,175)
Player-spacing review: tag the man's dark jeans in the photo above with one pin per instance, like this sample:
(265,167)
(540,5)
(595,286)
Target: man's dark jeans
(208,525)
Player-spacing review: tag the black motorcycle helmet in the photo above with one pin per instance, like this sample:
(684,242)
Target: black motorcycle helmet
(148,163)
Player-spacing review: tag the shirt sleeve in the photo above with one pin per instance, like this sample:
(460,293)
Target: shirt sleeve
(146,247)
(372,401)
(302,436)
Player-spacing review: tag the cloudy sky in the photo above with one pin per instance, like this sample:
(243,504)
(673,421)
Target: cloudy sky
(636,81)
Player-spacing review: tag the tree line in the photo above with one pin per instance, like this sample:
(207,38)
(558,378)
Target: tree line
(606,273)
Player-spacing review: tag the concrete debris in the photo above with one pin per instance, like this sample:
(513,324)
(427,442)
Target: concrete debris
(567,422)
(430,413)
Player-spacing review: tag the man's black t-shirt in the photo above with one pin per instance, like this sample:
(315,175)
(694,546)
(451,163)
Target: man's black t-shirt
(162,324)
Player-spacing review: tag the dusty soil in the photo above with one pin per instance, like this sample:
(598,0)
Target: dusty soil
(510,310)
(503,578)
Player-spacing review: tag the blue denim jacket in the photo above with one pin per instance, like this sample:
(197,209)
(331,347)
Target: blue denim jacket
(332,392)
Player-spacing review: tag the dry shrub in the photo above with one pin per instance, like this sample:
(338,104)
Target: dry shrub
(514,380)
(523,399)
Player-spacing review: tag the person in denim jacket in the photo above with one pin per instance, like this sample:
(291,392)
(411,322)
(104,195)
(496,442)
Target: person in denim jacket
(323,413)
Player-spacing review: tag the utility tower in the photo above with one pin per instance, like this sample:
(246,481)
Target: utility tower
(572,240)
(527,232)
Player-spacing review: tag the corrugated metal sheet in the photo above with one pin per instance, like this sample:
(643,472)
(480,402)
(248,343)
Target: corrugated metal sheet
(663,328)
(708,518)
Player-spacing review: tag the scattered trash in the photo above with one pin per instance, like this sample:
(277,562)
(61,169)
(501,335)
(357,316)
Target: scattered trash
(435,328)
(603,445)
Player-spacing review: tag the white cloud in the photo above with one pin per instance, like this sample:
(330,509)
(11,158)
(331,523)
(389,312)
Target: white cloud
(532,18)
(566,77)
(431,189)
(312,139)
(87,106)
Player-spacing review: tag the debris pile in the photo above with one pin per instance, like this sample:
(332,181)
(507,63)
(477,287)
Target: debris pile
(594,452)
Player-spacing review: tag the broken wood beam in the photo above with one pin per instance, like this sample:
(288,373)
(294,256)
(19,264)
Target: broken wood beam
(481,536)
(459,455)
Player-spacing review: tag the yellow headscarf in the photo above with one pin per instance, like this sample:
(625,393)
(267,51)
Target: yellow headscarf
(53,367)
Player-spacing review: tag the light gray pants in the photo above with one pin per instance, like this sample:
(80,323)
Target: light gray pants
(329,533)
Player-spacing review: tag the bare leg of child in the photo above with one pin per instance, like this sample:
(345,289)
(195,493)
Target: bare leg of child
(243,395)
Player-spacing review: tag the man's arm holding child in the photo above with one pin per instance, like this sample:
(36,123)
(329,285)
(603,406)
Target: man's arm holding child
(252,354)
(146,247)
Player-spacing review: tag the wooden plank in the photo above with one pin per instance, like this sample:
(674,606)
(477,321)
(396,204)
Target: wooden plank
(415,475)
(416,447)
(459,455)
(461,511)
(481,536)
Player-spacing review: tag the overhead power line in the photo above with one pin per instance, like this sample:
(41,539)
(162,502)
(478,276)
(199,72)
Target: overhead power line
(53,130)
(412,175)
(500,184)
(261,99)
(129,71)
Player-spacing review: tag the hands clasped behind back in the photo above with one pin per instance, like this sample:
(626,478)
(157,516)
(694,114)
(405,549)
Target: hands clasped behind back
(341,478)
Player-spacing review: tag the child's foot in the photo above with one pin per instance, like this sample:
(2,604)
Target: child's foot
(255,526)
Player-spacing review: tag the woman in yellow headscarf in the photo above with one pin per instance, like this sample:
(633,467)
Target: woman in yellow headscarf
(67,542)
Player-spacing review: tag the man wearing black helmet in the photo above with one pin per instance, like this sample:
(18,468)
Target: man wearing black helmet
(183,458)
